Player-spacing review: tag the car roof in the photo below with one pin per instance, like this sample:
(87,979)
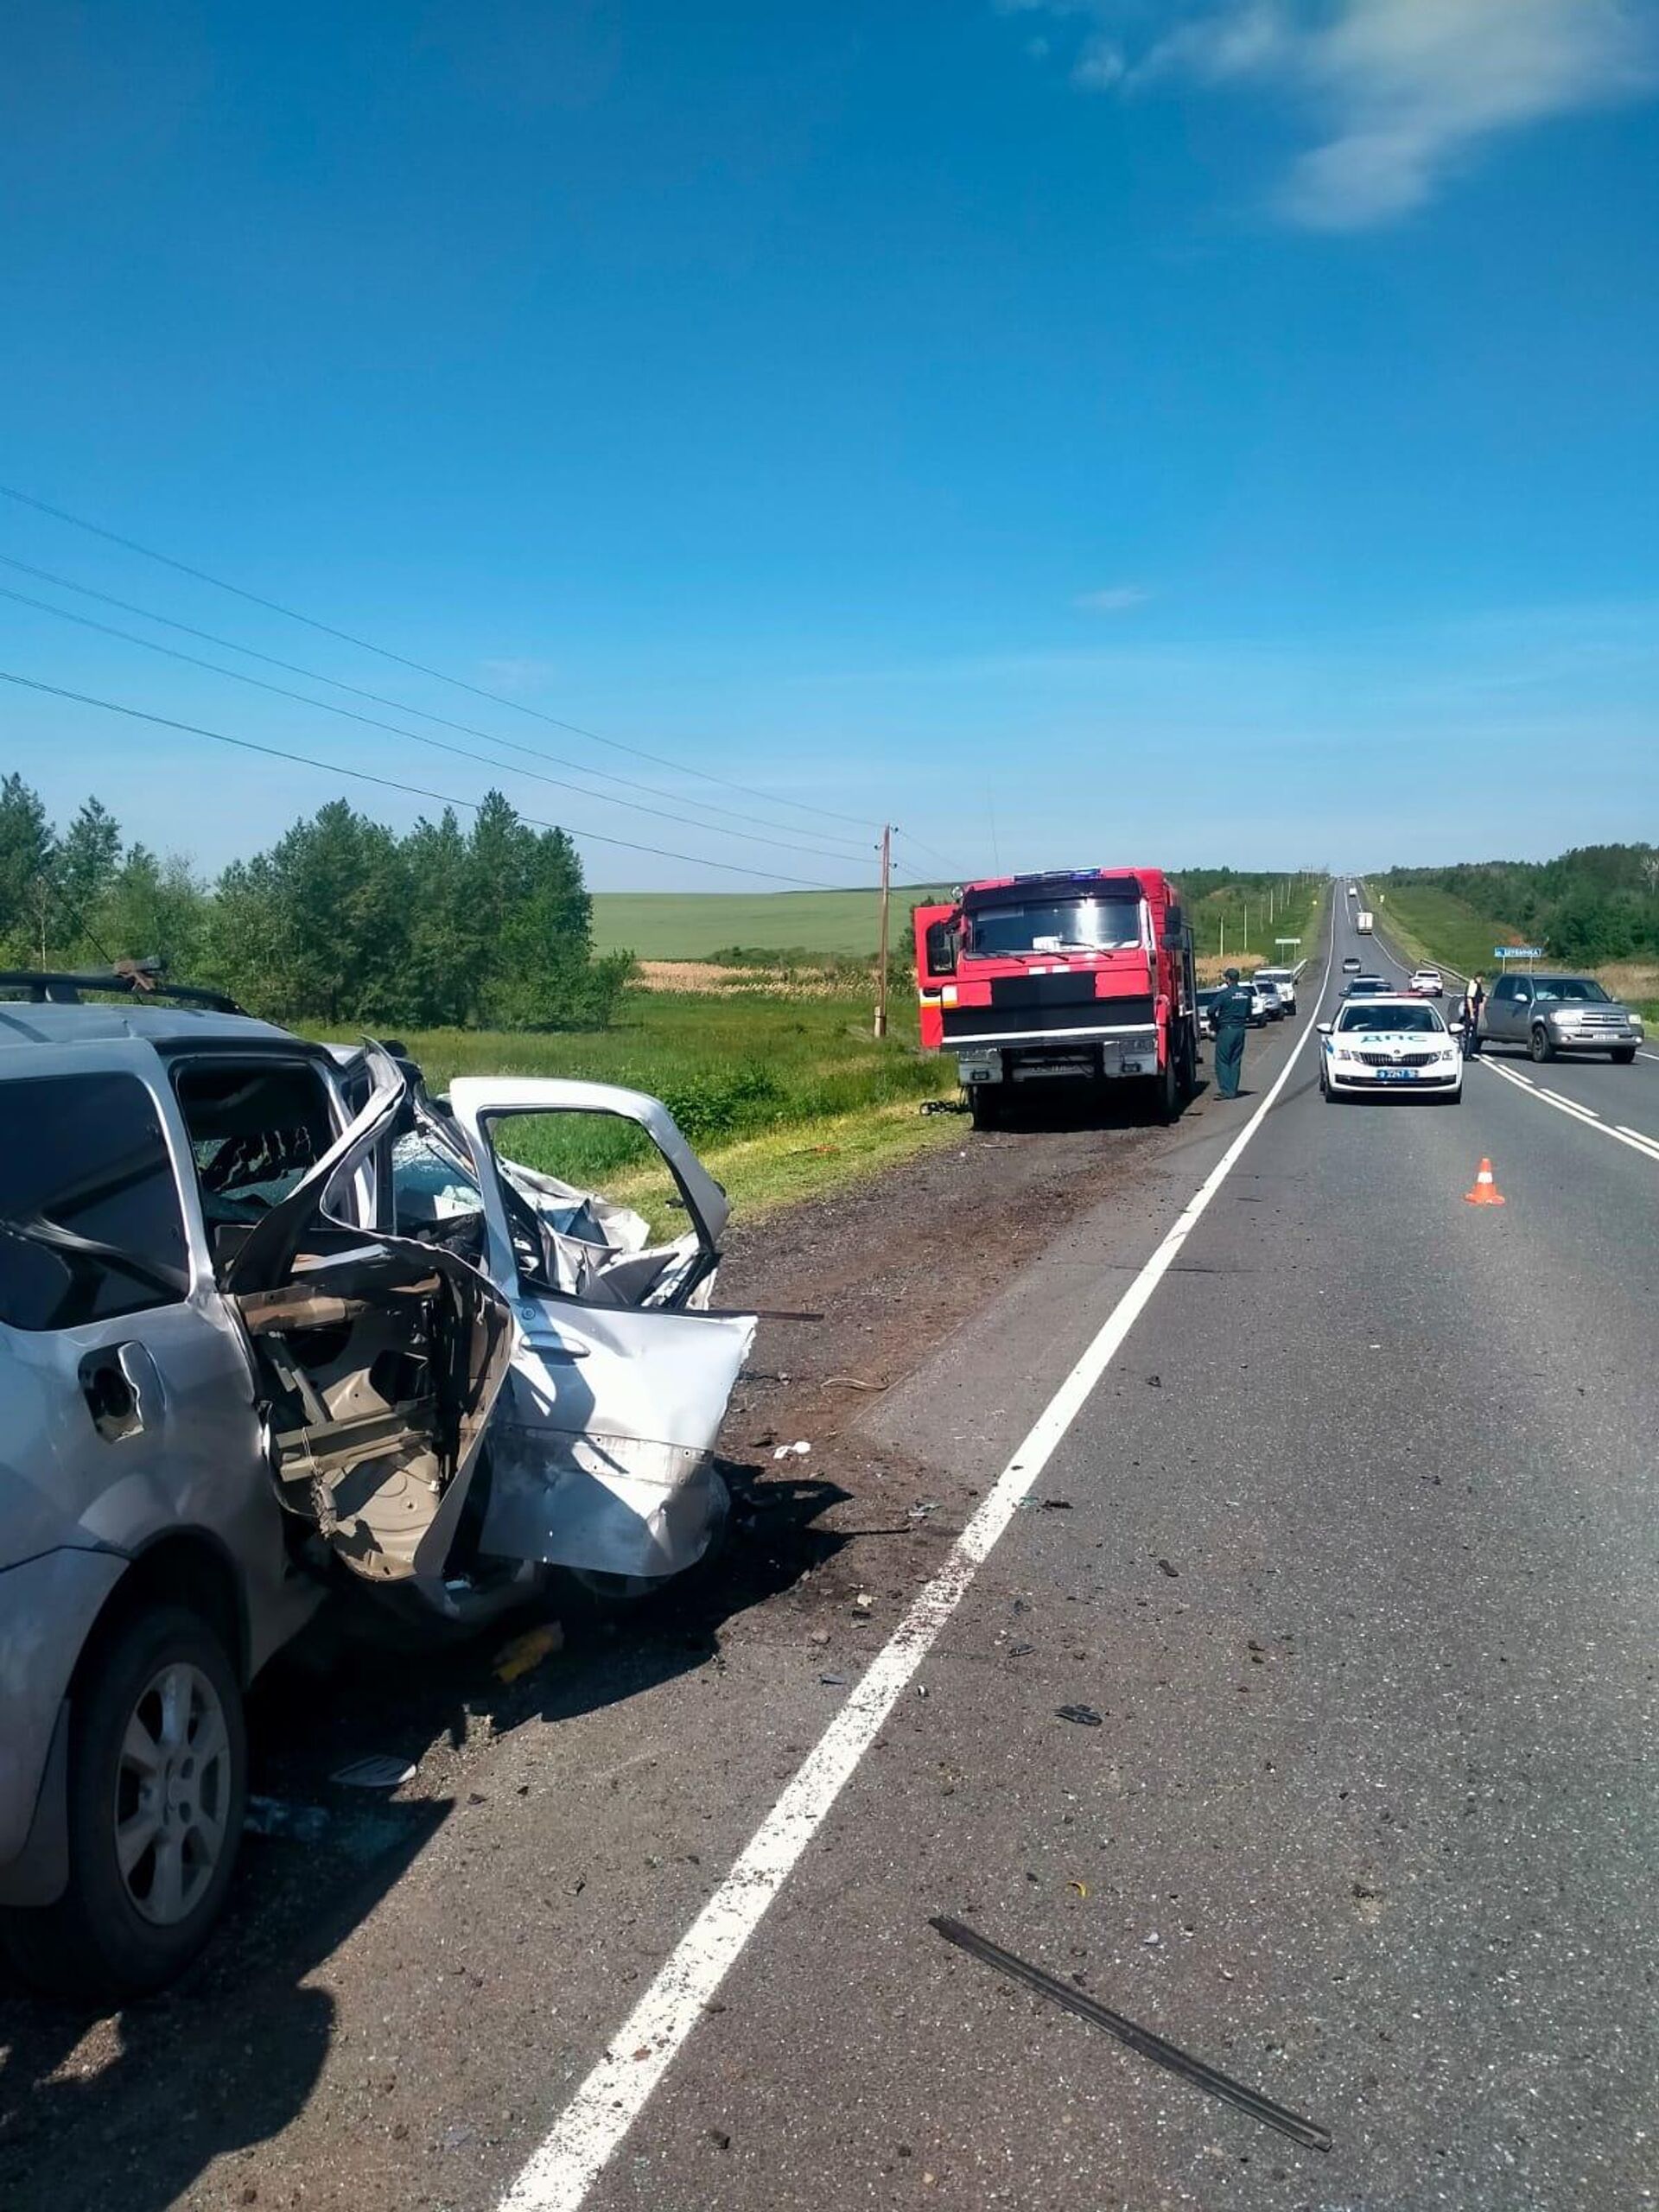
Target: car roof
(1383,1002)
(166,1027)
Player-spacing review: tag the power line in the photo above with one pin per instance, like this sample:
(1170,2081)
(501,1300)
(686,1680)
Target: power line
(415,737)
(403,706)
(367,645)
(392,784)
(956,874)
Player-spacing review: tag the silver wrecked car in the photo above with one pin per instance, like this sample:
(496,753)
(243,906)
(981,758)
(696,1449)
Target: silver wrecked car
(271,1323)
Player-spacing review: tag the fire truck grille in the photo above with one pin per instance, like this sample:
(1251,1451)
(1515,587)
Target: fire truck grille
(1052,1021)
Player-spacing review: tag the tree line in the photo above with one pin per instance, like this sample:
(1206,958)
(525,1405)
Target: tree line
(343,921)
(1596,903)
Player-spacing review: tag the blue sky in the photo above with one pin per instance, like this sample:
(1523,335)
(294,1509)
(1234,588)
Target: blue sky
(1104,429)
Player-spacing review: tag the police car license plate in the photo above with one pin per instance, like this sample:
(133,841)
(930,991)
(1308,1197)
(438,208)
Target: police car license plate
(1396,1075)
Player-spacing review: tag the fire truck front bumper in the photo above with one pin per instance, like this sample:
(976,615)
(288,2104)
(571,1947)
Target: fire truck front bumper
(1094,1055)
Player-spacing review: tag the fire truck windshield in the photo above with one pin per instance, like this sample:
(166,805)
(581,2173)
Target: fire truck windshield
(1057,925)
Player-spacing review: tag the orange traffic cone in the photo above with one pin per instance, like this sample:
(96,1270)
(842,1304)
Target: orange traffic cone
(1485,1193)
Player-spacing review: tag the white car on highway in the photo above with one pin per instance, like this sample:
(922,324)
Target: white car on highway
(1283,980)
(1428,982)
(1394,1044)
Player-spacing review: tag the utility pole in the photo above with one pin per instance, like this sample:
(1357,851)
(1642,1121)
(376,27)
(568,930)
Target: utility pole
(887,900)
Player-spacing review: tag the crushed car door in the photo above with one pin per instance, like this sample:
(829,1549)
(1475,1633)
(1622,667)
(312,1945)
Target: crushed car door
(381,1359)
(601,1449)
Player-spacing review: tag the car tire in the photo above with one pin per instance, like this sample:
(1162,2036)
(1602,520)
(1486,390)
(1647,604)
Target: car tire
(116,1934)
(1540,1047)
(985,1107)
(1623,1055)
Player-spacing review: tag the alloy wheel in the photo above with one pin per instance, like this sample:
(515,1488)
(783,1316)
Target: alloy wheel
(173,1789)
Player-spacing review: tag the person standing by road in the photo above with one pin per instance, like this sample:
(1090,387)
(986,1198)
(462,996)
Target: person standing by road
(1474,998)
(1232,1018)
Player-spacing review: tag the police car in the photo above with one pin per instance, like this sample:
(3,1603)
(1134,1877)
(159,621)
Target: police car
(1377,1045)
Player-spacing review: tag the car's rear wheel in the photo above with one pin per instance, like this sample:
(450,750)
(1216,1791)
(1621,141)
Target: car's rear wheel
(158,1781)
(1542,1047)
(1624,1055)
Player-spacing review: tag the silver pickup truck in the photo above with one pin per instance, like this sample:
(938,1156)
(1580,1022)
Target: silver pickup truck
(1550,1014)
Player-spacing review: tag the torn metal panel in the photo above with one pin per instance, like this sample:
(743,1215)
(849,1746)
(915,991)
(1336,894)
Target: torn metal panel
(383,1358)
(600,1451)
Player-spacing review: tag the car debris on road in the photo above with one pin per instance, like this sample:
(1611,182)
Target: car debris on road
(1141,2040)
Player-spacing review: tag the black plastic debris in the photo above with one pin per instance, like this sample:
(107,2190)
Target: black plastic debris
(1139,2039)
(1085,1715)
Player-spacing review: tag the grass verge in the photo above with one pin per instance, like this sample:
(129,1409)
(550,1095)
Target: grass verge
(761,1174)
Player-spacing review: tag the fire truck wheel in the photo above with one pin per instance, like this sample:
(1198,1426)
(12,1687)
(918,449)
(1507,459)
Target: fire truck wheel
(1166,1092)
(985,1104)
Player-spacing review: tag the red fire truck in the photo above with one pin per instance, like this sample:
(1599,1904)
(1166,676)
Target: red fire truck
(1086,973)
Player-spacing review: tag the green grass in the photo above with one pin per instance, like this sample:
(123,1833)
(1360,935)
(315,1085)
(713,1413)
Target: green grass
(692,924)
(732,1070)
(1430,924)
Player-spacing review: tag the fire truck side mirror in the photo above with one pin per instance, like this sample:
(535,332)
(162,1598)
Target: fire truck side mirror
(941,949)
(1174,930)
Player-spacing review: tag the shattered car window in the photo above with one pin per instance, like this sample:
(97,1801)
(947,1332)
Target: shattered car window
(255,1132)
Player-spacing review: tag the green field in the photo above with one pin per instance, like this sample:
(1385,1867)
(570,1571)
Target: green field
(691,924)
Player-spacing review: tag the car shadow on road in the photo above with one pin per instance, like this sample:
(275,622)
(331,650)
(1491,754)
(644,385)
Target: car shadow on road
(130,2108)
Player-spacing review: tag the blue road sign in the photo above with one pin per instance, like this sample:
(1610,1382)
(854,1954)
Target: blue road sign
(1517,953)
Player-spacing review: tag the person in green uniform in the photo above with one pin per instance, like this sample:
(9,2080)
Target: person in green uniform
(1232,1020)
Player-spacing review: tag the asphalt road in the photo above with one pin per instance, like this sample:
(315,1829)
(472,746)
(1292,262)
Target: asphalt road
(1348,1539)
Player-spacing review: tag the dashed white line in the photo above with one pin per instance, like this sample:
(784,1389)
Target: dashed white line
(1573,1105)
(559,2174)
(1632,1138)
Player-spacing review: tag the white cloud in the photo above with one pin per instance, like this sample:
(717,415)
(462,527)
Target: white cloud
(1099,66)
(1116,598)
(1398,93)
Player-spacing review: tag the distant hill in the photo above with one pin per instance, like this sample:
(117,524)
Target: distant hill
(1596,904)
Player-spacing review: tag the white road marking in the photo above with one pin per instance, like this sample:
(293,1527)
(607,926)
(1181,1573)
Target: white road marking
(1573,1105)
(1654,1056)
(559,2175)
(1649,1147)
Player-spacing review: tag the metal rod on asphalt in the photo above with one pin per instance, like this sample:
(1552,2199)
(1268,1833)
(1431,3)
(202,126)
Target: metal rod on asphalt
(1139,2039)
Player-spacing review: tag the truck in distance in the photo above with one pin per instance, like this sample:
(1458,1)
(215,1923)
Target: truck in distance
(1364,921)
(1083,973)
